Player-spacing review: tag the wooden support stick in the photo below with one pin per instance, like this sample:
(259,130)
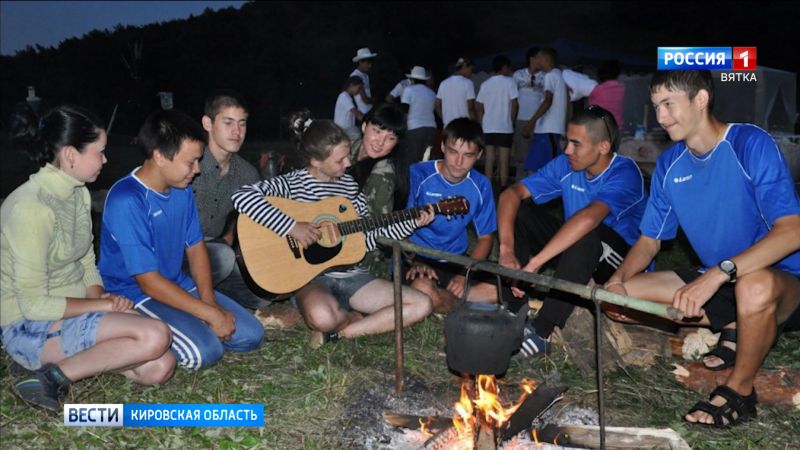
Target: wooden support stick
(583,291)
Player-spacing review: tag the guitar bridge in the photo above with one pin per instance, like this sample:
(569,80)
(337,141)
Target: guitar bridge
(293,247)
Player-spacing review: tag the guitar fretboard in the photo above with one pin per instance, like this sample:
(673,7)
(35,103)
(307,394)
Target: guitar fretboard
(371,223)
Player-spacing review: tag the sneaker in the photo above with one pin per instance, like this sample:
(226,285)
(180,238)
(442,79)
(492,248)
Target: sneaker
(532,344)
(318,339)
(38,389)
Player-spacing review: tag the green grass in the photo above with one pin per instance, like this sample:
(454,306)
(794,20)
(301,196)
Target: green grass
(305,392)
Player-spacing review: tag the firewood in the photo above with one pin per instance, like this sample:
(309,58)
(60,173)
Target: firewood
(410,421)
(623,437)
(776,387)
(485,439)
(534,406)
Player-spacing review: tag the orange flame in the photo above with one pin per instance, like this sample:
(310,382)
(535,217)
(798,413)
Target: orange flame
(534,436)
(423,426)
(485,404)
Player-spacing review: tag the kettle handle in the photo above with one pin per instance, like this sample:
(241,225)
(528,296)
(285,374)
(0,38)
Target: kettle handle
(522,314)
(466,282)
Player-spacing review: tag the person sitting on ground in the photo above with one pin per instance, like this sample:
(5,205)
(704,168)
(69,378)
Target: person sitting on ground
(728,187)
(55,317)
(434,181)
(150,223)
(345,113)
(380,172)
(604,198)
(339,303)
(222,171)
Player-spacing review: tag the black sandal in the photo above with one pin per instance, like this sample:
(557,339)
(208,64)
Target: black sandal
(726,354)
(734,411)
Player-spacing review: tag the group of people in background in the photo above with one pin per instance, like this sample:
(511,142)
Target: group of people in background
(167,290)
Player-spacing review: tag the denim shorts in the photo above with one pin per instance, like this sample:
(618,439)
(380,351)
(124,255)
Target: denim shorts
(344,288)
(24,339)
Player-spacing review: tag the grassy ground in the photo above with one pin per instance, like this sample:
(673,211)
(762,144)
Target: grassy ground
(305,391)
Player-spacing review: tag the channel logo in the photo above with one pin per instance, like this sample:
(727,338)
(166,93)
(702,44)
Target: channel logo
(163,415)
(707,58)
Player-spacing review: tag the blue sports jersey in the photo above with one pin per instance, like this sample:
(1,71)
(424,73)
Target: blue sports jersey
(146,231)
(726,200)
(427,185)
(620,187)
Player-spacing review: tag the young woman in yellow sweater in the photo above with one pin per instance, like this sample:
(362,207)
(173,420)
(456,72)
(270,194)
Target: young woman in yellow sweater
(55,317)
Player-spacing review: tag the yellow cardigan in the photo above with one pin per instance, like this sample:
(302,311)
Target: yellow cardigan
(46,251)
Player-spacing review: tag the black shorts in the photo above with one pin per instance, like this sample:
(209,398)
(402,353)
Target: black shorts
(721,307)
(447,271)
(499,139)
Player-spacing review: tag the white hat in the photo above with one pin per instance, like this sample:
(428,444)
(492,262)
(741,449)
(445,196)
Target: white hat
(418,73)
(364,53)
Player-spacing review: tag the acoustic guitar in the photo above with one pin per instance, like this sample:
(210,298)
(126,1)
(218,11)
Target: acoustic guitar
(280,264)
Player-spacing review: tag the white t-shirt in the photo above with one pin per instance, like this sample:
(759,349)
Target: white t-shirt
(363,107)
(496,94)
(397,90)
(454,92)
(420,99)
(531,94)
(580,84)
(343,112)
(554,120)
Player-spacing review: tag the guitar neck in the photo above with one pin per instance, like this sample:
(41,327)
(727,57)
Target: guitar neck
(373,222)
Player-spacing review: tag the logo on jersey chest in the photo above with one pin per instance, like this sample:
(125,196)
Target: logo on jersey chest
(684,179)
(575,187)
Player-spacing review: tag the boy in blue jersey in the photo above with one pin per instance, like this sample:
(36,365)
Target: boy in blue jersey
(149,222)
(604,199)
(729,189)
(433,181)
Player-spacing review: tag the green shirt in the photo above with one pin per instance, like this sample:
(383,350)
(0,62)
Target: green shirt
(379,187)
(379,192)
(46,251)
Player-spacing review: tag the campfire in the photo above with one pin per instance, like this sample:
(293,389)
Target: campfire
(482,421)
(480,415)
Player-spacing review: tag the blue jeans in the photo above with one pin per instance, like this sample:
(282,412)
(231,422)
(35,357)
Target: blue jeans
(193,342)
(226,277)
(24,339)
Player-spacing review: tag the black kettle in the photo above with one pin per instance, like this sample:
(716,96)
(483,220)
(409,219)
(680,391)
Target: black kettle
(480,338)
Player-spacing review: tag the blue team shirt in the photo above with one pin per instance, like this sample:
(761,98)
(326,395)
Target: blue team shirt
(726,200)
(146,231)
(620,187)
(427,185)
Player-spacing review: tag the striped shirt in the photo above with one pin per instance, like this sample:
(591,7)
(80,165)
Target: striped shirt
(301,186)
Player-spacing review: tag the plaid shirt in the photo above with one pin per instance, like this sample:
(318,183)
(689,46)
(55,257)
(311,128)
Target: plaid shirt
(212,192)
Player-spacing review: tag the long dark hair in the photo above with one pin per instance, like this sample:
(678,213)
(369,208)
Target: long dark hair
(65,125)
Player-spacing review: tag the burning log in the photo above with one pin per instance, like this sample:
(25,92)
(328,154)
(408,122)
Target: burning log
(434,424)
(446,435)
(485,439)
(533,407)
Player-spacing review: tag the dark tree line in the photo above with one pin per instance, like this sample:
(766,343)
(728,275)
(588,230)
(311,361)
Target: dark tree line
(281,56)
(286,55)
